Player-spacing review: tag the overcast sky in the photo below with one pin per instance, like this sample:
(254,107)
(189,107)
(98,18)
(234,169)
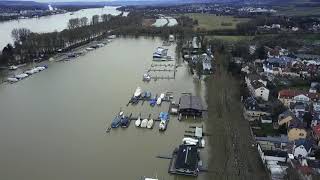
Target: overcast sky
(88,0)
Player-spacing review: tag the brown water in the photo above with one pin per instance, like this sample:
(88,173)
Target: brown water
(52,125)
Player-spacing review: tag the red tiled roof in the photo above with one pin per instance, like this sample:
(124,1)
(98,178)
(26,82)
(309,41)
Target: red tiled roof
(289,93)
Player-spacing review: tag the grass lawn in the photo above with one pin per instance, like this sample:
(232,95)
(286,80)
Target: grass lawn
(213,22)
(230,38)
(266,130)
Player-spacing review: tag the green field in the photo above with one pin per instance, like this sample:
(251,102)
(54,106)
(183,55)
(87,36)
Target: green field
(213,22)
(230,38)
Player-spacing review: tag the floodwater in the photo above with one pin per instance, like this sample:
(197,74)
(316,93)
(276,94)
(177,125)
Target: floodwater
(52,124)
(52,23)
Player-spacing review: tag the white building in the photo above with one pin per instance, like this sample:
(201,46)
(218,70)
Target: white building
(257,87)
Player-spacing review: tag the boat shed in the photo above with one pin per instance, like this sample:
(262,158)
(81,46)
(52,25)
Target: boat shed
(190,105)
(186,161)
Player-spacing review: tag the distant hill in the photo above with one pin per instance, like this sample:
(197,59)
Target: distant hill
(23,4)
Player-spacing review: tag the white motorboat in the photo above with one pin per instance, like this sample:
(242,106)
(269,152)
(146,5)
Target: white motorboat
(138,91)
(150,124)
(146,77)
(121,113)
(89,49)
(40,68)
(100,45)
(35,70)
(112,37)
(144,123)
(159,100)
(163,125)
(12,79)
(162,95)
(190,141)
(13,67)
(138,122)
(21,76)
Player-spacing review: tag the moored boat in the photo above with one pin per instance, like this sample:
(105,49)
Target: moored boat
(21,76)
(13,67)
(150,124)
(12,79)
(124,122)
(138,122)
(137,92)
(116,121)
(144,123)
(153,101)
(146,77)
(159,100)
(164,119)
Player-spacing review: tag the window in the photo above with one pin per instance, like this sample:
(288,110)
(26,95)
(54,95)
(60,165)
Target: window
(301,134)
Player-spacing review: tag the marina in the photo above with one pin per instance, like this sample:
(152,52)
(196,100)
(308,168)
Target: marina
(81,100)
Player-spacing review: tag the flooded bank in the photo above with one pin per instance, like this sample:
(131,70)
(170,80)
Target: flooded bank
(51,23)
(53,123)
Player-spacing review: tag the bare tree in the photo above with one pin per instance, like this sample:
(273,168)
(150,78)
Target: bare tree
(74,23)
(95,19)
(106,17)
(20,35)
(83,21)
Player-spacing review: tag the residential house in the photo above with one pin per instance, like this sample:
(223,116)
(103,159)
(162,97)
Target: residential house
(302,148)
(275,161)
(296,130)
(273,142)
(285,118)
(299,109)
(253,110)
(275,65)
(288,96)
(257,86)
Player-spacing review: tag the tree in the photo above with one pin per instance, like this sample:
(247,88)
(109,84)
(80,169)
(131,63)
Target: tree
(307,118)
(73,23)
(95,19)
(21,34)
(106,17)
(261,52)
(83,21)
(7,53)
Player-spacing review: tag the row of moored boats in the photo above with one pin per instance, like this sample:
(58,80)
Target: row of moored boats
(26,74)
(139,94)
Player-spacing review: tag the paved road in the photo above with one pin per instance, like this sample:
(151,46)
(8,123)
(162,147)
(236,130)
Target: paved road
(232,155)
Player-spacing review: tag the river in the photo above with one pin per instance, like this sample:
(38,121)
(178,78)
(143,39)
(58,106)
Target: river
(53,123)
(52,23)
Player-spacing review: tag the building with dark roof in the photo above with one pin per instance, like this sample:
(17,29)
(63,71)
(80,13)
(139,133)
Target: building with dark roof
(190,105)
(185,161)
